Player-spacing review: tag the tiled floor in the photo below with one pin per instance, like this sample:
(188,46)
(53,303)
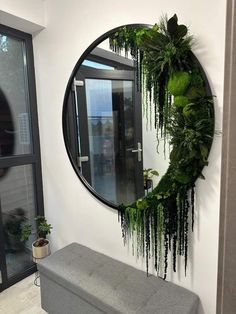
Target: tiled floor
(22,298)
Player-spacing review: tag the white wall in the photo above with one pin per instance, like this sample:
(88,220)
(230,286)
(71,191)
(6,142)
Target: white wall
(155,152)
(25,15)
(74,213)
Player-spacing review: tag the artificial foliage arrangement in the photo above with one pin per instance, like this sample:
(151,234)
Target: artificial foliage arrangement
(173,82)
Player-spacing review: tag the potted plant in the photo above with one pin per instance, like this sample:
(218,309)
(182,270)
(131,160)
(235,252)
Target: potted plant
(148,174)
(12,228)
(40,247)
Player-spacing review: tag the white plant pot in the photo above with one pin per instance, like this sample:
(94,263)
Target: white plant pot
(41,251)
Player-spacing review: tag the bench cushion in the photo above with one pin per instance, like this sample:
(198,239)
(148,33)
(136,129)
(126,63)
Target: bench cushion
(112,286)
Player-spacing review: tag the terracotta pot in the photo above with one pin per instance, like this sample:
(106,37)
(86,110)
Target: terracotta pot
(41,251)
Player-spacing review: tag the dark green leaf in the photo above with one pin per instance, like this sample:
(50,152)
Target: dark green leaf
(155,173)
(182,178)
(181,31)
(172,25)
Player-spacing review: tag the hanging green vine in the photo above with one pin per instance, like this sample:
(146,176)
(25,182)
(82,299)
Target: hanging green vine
(173,82)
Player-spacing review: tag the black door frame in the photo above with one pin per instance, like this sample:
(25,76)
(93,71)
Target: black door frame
(125,71)
(84,73)
(33,158)
(3,266)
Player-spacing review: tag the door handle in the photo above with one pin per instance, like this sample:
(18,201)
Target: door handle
(81,159)
(138,150)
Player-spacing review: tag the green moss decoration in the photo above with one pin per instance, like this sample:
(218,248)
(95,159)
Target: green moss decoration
(178,83)
(181,101)
(195,92)
(158,223)
(196,79)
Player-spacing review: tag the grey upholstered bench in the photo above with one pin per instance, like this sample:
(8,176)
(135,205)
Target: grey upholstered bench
(77,280)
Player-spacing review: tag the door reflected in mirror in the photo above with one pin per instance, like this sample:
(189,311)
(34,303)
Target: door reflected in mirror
(110,143)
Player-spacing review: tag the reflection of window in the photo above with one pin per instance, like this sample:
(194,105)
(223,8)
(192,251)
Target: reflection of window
(24,128)
(97,65)
(3,43)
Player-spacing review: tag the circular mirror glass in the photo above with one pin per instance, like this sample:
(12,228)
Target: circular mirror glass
(109,133)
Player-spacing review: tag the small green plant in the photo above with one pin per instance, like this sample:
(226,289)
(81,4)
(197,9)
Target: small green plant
(25,232)
(148,174)
(13,223)
(42,229)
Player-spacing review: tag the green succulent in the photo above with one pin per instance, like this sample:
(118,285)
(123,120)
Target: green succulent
(178,83)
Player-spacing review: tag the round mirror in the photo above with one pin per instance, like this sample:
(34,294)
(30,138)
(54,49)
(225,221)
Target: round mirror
(110,132)
(109,135)
(138,108)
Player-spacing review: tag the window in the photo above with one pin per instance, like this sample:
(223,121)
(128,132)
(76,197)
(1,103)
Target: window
(21,196)
(97,65)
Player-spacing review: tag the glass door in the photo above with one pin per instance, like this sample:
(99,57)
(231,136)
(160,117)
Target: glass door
(109,134)
(21,196)
(110,116)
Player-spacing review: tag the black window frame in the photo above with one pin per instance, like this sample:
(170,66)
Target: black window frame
(33,158)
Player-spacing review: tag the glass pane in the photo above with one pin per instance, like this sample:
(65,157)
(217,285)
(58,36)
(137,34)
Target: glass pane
(18,208)
(97,65)
(109,103)
(15,135)
(127,185)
